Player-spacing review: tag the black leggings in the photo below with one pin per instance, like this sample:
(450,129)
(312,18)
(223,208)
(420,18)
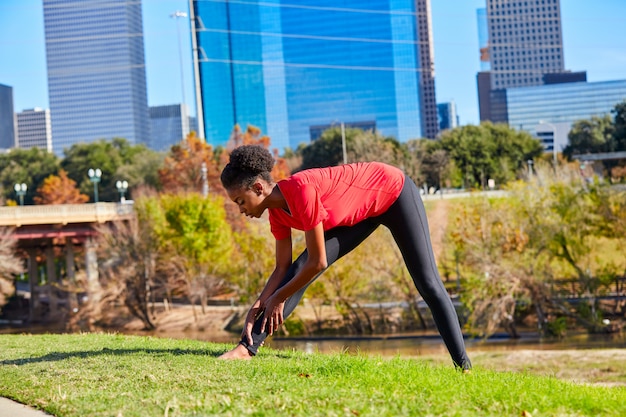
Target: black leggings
(406,219)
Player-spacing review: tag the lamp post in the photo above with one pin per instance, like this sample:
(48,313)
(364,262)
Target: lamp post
(205,181)
(20,190)
(122,187)
(530,166)
(176,15)
(95,175)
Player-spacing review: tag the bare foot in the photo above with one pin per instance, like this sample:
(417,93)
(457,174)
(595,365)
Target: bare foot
(239,352)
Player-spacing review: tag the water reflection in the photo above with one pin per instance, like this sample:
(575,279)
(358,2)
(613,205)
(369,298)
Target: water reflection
(419,344)
(406,344)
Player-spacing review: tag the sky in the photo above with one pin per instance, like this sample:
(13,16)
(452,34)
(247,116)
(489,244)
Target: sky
(593,40)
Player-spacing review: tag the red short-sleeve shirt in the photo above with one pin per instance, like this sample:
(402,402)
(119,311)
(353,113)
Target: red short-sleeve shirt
(336,196)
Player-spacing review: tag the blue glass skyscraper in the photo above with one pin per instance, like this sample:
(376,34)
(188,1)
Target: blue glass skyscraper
(290,67)
(96,71)
(7,118)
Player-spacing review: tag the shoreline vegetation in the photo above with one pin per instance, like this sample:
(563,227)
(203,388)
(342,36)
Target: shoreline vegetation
(99,374)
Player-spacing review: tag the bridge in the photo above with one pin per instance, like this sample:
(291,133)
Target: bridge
(51,238)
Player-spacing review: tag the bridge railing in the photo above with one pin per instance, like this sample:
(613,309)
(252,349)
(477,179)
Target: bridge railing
(65,213)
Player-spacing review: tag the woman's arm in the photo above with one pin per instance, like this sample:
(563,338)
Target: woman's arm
(283,262)
(315,263)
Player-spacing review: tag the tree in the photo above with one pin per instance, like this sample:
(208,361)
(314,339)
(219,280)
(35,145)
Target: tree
(115,159)
(413,156)
(327,150)
(619,125)
(196,240)
(515,251)
(129,256)
(435,167)
(10,264)
(253,260)
(593,135)
(501,272)
(361,146)
(142,169)
(59,190)
(28,166)
(368,146)
(488,151)
(182,167)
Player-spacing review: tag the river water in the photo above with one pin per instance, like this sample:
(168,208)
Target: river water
(405,344)
(414,344)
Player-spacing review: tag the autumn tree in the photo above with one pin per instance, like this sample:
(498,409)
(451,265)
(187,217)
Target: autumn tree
(29,166)
(59,190)
(182,169)
(10,264)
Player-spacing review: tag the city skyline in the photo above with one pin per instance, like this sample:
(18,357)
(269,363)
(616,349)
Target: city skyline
(590,37)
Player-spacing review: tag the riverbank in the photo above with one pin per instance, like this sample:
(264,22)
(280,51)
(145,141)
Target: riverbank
(581,358)
(104,374)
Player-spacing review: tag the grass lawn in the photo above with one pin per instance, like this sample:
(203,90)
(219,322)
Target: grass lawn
(115,375)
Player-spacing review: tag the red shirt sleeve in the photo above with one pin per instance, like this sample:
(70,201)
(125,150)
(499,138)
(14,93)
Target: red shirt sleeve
(305,209)
(308,207)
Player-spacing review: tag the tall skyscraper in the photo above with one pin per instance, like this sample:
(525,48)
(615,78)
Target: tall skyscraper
(96,71)
(289,68)
(7,118)
(34,129)
(524,48)
(525,41)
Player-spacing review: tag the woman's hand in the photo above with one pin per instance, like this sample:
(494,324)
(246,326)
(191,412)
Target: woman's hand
(273,317)
(253,314)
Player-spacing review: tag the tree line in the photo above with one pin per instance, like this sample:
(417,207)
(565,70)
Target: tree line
(184,245)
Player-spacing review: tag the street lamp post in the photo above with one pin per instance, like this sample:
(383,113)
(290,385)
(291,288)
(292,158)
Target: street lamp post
(122,187)
(205,180)
(176,15)
(20,190)
(95,175)
(530,166)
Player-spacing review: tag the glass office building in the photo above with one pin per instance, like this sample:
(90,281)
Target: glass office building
(169,125)
(548,111)
(447,115)
(96,71)
(7,118)
(289,68)
(562,103)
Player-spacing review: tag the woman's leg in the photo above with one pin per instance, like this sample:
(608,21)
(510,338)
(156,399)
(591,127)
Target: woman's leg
(339,241)
(406,219)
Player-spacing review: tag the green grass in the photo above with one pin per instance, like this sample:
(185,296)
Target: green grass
(115,375)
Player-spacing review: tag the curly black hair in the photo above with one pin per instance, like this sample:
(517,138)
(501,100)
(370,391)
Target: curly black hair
(247,163)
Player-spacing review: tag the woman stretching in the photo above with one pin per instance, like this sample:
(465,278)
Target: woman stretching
(337,208)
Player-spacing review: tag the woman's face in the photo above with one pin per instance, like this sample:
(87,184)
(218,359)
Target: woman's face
(249,200)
